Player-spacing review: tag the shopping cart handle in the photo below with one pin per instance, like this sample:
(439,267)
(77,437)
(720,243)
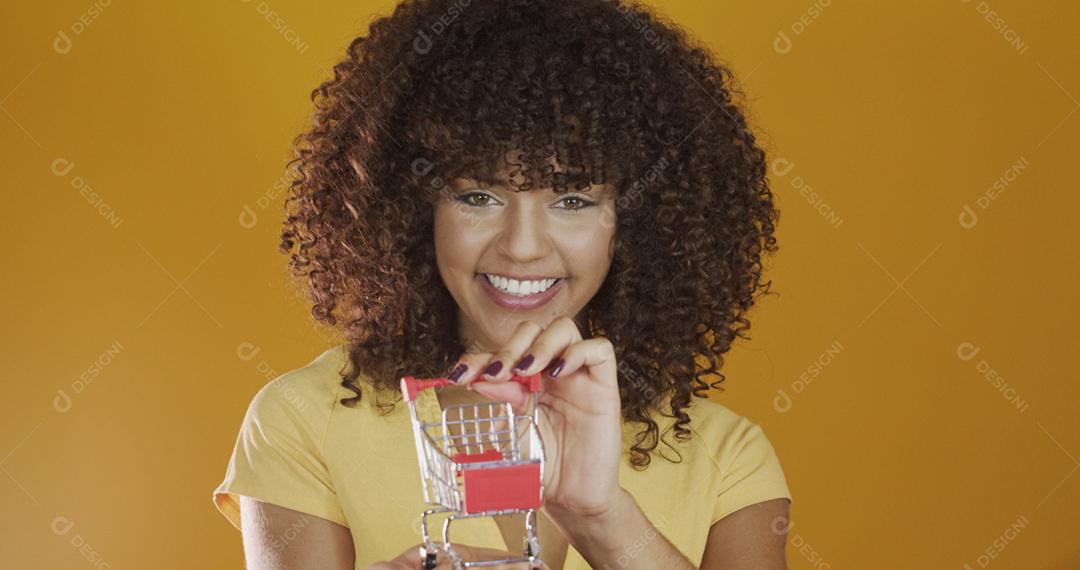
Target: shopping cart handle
(410,385)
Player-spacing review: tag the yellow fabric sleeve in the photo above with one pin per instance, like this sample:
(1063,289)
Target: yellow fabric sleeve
(750,471)
(278,455)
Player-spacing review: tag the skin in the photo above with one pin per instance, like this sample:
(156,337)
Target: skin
(747,539)
(320,544)
(533,233)
(751,537)
(539,232)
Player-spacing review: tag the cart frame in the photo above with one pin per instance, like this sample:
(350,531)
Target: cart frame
(493,466)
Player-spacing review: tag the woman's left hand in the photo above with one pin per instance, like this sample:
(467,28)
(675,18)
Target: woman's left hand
(579,410)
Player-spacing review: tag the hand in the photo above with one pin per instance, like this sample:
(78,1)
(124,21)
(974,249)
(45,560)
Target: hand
(411,559)
(579,411)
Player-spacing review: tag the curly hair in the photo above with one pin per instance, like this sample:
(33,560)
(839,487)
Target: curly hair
(438,89)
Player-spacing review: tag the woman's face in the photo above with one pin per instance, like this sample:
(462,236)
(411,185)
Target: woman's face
(547,253)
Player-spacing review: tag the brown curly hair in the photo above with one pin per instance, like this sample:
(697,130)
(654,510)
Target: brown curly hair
(440,88)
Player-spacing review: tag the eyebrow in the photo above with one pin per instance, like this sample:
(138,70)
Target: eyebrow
(599,191)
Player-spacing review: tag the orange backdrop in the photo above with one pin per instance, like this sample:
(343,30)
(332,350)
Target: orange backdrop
(913,373)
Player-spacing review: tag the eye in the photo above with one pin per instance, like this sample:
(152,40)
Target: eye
(466,198)
(582,203)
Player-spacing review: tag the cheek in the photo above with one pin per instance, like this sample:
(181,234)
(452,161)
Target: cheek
(605,231)
(456,245)
(445,252)
(603,238)
(589,252)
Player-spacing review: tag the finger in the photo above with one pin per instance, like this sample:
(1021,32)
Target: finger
(596,354)
(547,348)
(512,392)
(498,370)
(472,361)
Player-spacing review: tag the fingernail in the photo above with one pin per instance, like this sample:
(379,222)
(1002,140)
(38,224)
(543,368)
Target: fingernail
(458,371)
(493,368)
(556,367)
(523,363)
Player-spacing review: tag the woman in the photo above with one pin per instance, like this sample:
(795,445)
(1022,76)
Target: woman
(503,186)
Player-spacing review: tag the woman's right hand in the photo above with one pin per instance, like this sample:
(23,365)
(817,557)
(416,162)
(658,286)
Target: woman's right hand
(411,559)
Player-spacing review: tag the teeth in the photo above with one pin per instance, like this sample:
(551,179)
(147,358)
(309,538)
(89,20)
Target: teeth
(519,288)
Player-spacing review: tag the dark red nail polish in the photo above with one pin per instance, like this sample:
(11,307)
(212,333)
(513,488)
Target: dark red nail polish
(458,371)
(493,368)
(555,367)
(523,363)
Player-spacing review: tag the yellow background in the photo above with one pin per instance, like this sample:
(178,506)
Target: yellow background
(903,451)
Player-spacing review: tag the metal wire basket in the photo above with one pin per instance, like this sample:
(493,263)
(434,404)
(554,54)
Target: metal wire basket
(478,460)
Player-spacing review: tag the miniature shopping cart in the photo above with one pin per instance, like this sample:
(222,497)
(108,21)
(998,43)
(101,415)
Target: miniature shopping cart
(478,460)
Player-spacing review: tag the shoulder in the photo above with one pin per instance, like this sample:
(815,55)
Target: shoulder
(726,464)
(716,421)
(278,455)
(704,411)
(746,466)
(304,396)
(734,441)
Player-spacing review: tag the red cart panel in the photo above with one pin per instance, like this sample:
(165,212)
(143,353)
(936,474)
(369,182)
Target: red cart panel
(510,487)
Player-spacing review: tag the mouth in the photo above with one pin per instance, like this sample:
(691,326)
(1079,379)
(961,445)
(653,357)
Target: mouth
(520,295)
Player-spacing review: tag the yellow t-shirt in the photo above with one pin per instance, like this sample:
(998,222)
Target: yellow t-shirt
(300,448)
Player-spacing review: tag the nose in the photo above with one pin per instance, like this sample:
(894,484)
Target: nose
(524,235)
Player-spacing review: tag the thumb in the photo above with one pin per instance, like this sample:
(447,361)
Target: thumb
(511,392)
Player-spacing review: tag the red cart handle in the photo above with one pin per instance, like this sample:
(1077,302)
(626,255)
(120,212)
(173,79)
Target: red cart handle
(411,385)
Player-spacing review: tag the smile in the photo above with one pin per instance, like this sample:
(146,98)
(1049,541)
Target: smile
(517,294)
(520,288)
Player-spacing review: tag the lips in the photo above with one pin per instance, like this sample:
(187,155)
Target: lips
(516,302)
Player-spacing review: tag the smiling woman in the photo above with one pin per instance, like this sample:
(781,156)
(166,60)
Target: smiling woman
(507,256)
(539,187)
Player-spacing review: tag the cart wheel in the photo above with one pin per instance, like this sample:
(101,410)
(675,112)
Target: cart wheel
(431,561)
